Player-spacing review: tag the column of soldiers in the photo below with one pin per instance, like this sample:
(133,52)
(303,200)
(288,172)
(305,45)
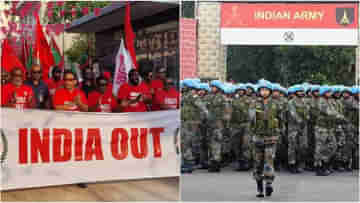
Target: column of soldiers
(265,126)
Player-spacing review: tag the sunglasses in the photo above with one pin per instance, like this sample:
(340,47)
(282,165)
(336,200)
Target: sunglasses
(69,79)
(36,72)
(17,75)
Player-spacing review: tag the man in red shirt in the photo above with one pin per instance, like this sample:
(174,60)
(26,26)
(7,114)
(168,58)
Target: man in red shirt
(70,98)
(102,100)
(133,96)
(156,85)
(168,98)
(15,94)
(55,82)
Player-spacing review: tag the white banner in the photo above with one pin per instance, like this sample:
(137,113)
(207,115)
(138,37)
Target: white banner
(43,148)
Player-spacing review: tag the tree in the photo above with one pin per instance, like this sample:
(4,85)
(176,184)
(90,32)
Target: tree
(290,65)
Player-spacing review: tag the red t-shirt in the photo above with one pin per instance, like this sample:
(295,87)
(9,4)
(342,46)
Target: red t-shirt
(63,96)
(53,85)
(107,102)
(109,89)
(22,95)
(169,98)
(127,91)
(156,85)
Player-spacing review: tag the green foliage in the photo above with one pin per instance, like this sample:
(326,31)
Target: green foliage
(68,5)
(80,48)
(289,65)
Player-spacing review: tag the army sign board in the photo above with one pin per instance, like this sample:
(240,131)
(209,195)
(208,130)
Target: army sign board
(289,24)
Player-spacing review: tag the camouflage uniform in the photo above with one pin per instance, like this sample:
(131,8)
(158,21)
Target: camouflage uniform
(215,103)
(241,133)
(326,117)
(190,125)
(281,104)
(350,128)
(340,136)
(266,132)
(310,101)
(297,137)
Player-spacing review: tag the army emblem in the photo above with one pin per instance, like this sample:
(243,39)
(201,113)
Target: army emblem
(345,16)
(289,36)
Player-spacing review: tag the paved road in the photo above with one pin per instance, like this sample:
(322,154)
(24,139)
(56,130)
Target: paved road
(230,185)
(158,189)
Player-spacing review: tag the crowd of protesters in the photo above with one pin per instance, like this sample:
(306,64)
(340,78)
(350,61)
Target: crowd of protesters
(147,89)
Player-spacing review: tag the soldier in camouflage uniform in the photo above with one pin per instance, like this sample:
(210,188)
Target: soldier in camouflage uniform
(339,158)
(312,95)
(264,114)
(281,103)
(228,91)
(190,108)
(241,133)
(355,121)
(326,119)
(215,104)
(298,114)
(349,109)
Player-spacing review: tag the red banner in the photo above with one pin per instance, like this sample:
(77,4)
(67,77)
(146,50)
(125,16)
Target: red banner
(289,15)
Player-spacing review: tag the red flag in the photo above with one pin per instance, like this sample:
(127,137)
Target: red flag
(97,11)
(129,35)
(54,45)
(85,11)
(42,50)
(9,60)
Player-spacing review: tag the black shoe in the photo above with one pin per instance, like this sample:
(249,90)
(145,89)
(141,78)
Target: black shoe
(309,168)
(204,166)
(299,170)
(260,188)
(293,168)
(82,185)
(321,171)
(268,190)
(347,167)
(214,167)
(187,168)
(243,166)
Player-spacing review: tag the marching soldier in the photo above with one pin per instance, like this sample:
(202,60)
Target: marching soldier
(264,114)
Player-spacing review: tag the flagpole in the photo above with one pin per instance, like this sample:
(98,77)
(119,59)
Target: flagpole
(63,37)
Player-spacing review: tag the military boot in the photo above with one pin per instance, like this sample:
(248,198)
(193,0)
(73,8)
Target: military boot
(321,171)
(268,189)
(214,167)
(293,168)
(328,167)
(339,166)
(260,188)
(186,168)
(243,165)
(347,166)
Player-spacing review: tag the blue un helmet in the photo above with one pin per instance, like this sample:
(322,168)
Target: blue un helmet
(262,83)
(324,89)
(315,88)
(216,83)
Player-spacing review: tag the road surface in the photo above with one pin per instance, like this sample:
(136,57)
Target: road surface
(229,185)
